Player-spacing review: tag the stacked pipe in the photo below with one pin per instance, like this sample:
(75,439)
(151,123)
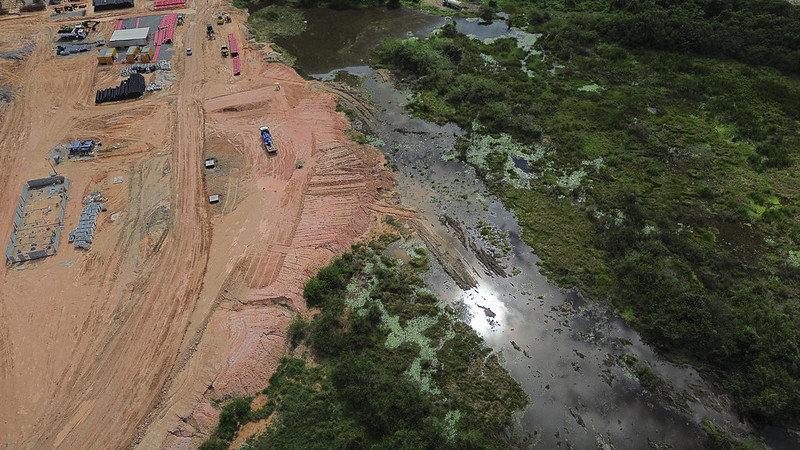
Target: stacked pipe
(101,5)
(133,87)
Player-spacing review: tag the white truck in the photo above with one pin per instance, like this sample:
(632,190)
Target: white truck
(454,4)
(69,32)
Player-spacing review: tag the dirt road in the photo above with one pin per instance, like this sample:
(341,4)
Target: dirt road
(178,302)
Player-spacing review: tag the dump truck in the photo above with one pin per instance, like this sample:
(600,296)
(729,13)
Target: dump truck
(224,51)
(69,33)
(210,32)
(267,138)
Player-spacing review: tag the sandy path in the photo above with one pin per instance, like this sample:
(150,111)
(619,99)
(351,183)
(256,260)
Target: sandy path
(178,303)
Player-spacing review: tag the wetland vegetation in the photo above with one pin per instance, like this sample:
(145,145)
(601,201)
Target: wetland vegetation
(649,150)
(383,364)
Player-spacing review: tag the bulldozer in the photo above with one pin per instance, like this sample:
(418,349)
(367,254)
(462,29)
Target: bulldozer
(210,32)
(224,51)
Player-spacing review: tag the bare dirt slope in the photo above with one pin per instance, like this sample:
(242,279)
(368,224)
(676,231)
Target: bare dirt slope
(178,302)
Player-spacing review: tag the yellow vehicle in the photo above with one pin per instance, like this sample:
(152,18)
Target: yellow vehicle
(220,19)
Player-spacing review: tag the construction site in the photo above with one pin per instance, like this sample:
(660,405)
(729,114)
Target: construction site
(38,219)
(164,303)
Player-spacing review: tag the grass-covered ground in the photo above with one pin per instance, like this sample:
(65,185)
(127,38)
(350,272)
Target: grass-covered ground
(386,365)
(643,171)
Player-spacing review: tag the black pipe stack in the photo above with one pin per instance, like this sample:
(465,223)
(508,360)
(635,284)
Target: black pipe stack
(101,5)
(133,87)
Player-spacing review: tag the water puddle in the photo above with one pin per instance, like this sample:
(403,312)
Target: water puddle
(521,164)
(338,39)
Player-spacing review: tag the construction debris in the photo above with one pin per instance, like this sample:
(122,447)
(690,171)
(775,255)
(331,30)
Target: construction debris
(19,54)
(154,86)
(6,94)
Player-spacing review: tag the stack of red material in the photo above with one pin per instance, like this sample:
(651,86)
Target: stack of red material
(164,33)
(233,45)
(169,4)
(167,28)
(237,65)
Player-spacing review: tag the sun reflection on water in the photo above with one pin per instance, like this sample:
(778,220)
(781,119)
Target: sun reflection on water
(487,313)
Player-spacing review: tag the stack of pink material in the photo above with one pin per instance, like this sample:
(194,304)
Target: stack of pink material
(237,65)
(164,33)
(169,4)
(233,45)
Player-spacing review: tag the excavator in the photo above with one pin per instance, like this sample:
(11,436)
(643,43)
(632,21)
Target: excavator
(90,24)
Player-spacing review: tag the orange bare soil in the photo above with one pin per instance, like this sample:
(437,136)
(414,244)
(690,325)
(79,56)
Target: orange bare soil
(178,302)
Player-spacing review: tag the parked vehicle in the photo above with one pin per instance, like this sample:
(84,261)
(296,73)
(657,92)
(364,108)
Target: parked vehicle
(70,33)
(267,138)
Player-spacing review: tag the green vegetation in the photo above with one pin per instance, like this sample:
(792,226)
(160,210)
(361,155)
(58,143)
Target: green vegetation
(644,171)
(269,22)
(393,368)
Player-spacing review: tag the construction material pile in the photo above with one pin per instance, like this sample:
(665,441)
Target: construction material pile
(83,236)
(169,4)
(103,5)
(146,68)
(234,46)
(65,50)
(154,86)
(133,87)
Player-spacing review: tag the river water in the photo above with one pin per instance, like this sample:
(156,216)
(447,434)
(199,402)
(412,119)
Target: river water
(572,357)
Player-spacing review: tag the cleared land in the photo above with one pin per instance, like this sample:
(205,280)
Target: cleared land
(178,302)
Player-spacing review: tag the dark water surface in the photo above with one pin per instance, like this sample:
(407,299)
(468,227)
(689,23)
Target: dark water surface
(568,354)
(339,39)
